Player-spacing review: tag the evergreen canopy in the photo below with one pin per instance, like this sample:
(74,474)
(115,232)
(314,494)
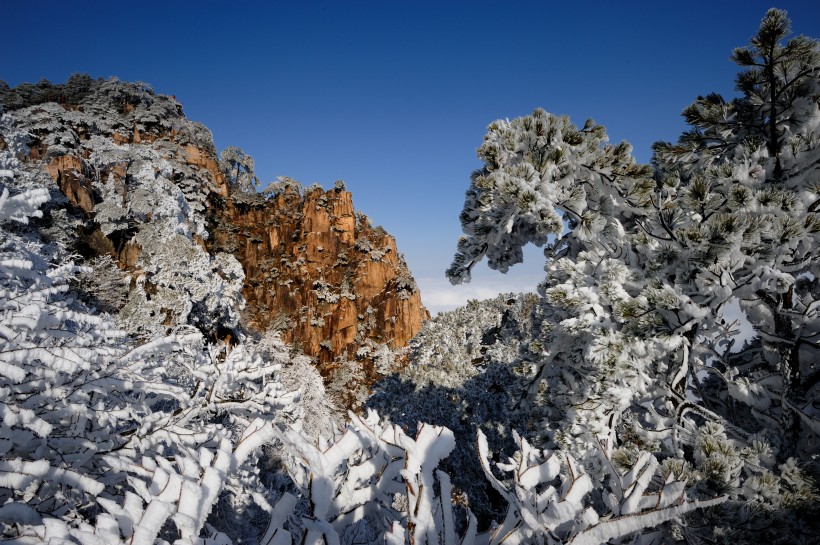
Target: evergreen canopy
(680,304)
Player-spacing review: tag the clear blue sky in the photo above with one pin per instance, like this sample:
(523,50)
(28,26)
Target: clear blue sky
(394,97)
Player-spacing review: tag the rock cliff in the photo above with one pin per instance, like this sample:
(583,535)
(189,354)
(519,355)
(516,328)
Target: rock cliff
(133,179)
(317,270)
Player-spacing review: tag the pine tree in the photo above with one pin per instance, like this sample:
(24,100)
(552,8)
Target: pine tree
(750,166)
(238,169)
(649,274)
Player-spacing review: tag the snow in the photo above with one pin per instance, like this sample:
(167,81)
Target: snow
(660,370)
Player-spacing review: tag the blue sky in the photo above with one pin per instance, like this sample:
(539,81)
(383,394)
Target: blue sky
(394,97)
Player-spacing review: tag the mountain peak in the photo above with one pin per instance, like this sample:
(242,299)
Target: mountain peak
(137,181)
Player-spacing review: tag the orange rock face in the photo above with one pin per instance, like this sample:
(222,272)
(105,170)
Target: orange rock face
(197,157)
(319,272)
(67,171)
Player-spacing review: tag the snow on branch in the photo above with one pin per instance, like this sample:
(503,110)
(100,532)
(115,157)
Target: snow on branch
(377,476)
(22,206)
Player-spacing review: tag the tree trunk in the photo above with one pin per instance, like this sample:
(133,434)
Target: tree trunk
(773,144)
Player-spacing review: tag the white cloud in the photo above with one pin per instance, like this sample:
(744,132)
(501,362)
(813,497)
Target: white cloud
(439,295)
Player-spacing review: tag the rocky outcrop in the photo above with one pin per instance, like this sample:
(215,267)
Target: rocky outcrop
(68,172)
(318,271)
(133,174)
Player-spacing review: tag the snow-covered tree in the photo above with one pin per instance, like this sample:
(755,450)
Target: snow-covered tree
(237,166)
(375,484)
(146,199)
(648,277)
(312,412)
(103,440)
(539,171)
(748,170)
(463,373)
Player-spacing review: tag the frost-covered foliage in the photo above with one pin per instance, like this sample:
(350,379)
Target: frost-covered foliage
(348,386)
(457,345)
(312,412)
(147,195)
(536,167)
(104,284)
(375,483)
(636,342)
(73,91)
(180,283)
(237,166)
(463,368)
(104,441)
